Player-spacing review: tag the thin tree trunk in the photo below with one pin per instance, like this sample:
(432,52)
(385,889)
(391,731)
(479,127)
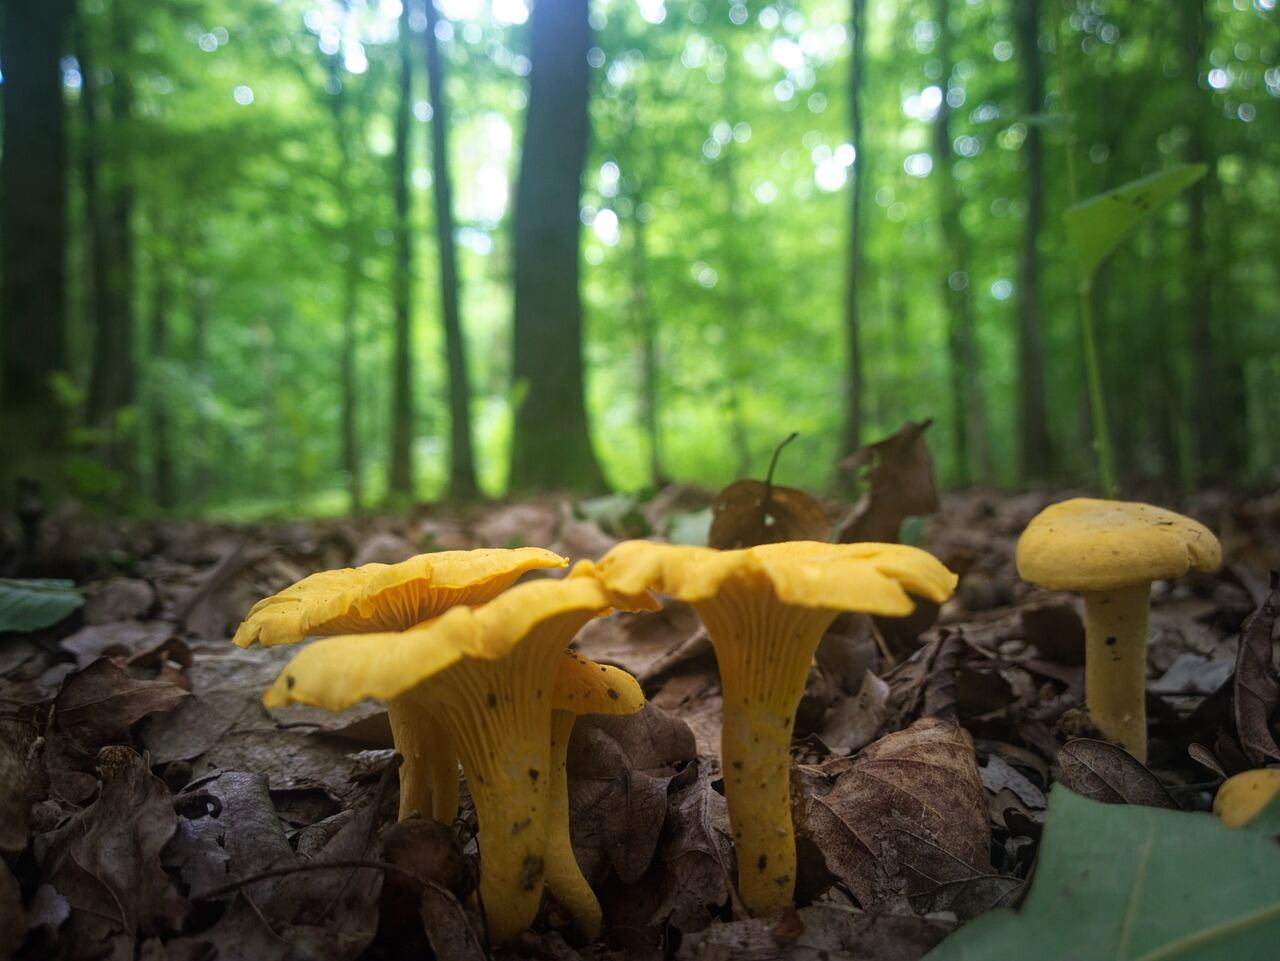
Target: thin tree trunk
(200,308)
(1034,445)
(32,242)
(969,435)
(162,470)
(351,275)
(462,470)
(646,326)
(854,387)
(99,305)
(112,385)
(401,481)
(1205,410)
(551,443)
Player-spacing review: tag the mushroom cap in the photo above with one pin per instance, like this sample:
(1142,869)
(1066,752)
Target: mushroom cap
(1086,544)
(387,597)
(339,671)
(1243,795)
(868,578)
(585,687)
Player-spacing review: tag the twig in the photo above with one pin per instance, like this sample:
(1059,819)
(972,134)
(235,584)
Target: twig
(352,865)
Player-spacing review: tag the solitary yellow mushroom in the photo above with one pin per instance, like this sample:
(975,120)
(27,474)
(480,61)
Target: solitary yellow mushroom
(1244,795)
(487,677)
(765,609)
(1111,551)
(396,597)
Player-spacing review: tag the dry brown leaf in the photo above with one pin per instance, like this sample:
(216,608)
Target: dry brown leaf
(852,723)
(640,644)
(98,705)
(106,860)
(751,512)
(826,932)
(620,769)
(23,778)
(928,775)
(1106,772)
(1257,692)
(898,472)
(698,859)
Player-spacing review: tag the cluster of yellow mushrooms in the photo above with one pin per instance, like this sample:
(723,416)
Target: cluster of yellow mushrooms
(474,670)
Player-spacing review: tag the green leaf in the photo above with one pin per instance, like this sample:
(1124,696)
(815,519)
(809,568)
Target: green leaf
(1097,225)
(1134,884)
(28,605)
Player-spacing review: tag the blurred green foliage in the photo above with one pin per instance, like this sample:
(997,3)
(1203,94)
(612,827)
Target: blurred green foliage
(720,130)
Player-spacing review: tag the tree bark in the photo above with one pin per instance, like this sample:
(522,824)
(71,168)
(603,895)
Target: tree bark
(401,480)
(968,420)
(551,444)
(351,275)
(1034,446)
(162,468)
(32,243)
(853,408)
(1218,414)
(462,470)
(112,384)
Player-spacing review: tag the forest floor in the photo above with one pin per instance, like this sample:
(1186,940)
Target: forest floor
(145,782)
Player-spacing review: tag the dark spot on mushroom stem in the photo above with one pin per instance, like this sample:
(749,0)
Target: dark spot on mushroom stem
(737,765)
(519,826)
(1111,642)
(290,681)
(762,863)
(782,879)
(531,872)
(539,694)
(614,694)
(603,670)
(493,699)
(533,774)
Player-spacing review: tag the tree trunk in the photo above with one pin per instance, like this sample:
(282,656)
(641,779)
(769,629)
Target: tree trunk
(200,308)
(968,420)
(162,472)
(1206,413)
(401,481)
(853,412)
(1034,445)
(551,443)
(112,385)
(646,326)
(462,470)
(32,243)
(351,275)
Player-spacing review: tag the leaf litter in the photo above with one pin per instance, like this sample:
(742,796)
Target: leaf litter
(155,808)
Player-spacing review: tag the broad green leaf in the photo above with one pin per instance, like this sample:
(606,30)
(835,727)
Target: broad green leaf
(1134,883)
(1097,225)
(28,605)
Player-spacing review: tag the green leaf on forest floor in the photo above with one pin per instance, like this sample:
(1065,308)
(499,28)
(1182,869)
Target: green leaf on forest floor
(28,605)
(1097,225)
(1135,884)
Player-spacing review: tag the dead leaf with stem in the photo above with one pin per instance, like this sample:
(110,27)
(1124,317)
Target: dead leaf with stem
(751,512)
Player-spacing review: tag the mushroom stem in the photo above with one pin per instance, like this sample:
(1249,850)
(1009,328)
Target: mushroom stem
(502,733)
(429,773)
(1115,676)
(755,748)
(565,880)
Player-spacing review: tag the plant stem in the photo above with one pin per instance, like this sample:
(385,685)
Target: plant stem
(1097,401)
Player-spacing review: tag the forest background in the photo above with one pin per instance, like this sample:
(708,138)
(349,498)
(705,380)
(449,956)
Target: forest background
(294,256)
